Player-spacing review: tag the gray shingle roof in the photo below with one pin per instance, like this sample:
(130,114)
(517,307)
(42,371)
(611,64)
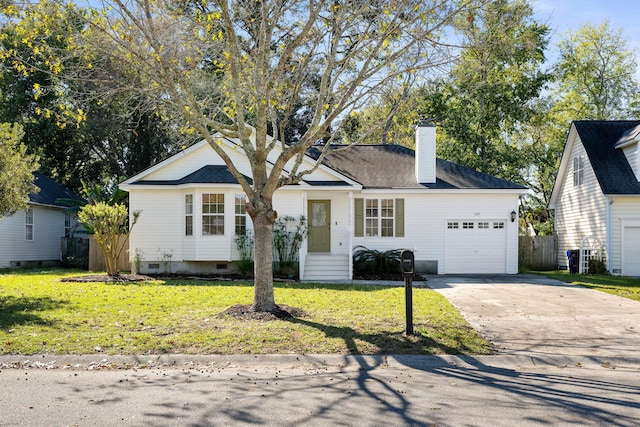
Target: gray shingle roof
(210,174)
(610,165)
(393,166)
(50,192)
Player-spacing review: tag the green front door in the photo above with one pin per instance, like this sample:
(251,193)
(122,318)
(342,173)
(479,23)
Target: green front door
(319,226)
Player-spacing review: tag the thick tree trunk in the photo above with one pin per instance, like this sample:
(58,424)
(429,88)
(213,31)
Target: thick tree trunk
(263,261)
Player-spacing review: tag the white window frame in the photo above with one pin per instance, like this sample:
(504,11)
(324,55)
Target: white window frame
(188,214)
(28,225)
(213,214)
(68,221)
(387,220)
(240,215)
(380,217)
(578,170)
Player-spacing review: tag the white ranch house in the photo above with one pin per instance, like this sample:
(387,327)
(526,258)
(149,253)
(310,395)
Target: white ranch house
(456,220)
(596,195)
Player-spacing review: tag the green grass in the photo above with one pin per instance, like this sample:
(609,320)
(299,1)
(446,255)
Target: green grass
(41,314)
(628,287)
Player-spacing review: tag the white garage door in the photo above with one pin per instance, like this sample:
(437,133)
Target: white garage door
(631,251)
(475,246)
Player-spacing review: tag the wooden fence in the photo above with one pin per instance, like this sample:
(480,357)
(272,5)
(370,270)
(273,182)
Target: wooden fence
(96,257)
(538,253)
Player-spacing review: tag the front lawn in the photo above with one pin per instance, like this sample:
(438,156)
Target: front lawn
(628,287)
(41,314)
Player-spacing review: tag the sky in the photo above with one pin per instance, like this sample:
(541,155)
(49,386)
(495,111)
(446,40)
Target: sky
(569,15)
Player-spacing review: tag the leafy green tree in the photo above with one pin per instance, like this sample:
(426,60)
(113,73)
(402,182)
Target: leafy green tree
(234,69)
(109,226)
(389,119)
(76,139)
(595,74)
(16,170)
(491,88)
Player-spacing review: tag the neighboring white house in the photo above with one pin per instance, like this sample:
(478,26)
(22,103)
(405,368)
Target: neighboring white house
(456,220)
(596,195)
(34,237)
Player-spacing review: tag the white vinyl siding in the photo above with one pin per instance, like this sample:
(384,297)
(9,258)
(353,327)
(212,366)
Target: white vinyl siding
(49,228)
(427,218)
(162,231)
(631,153)
(580,211)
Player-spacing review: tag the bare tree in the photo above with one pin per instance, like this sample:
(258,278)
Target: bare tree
(237,69)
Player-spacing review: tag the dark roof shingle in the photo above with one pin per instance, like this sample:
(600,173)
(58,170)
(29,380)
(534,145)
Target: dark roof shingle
(610,165)
(393,166)
(50,192)
(210,174)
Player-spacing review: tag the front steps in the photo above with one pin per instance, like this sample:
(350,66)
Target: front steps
(323,267)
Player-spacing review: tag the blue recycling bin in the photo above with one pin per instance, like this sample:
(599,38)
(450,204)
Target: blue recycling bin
(574,258)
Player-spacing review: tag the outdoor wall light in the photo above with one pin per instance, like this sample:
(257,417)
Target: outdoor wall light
(514,215)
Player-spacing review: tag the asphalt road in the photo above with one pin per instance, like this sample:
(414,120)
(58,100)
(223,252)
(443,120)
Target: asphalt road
(575,378)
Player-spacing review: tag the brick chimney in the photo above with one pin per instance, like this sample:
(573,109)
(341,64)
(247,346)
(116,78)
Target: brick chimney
(426,153)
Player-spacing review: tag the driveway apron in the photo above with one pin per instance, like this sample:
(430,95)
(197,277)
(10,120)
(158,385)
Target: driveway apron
(532,315)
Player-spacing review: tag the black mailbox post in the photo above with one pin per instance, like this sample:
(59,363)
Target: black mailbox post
(408,271)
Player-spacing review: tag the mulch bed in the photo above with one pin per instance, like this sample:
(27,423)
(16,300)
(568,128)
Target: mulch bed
(120,278)
(394,277)
(125,278)
(246,312)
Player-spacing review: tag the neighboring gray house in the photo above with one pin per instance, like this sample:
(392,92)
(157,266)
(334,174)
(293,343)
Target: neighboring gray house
(596,195)
(456,220)
(34,237)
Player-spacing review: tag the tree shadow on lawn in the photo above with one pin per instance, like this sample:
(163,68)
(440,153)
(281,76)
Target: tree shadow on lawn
(22,310)
(387,342)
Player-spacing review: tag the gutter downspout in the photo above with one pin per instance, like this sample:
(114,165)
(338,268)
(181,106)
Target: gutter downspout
(610,201)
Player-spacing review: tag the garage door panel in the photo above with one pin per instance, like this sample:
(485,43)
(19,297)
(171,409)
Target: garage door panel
(475,247)
(631,251)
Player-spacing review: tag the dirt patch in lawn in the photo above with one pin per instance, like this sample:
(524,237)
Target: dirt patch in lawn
(246,312)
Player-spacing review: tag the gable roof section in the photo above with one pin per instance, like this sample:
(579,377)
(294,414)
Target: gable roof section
(50,192)
(393,166)
(610,165)
(210,174)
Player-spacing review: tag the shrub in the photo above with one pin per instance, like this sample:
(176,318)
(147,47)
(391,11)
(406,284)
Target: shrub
(598,266)
(109,226)
(244,244)
(288,235)
(372,261)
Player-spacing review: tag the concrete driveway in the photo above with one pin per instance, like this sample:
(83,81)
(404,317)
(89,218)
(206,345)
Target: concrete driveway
(533,315)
